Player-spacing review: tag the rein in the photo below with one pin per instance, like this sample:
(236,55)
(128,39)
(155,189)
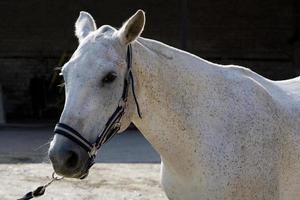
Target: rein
(111,128)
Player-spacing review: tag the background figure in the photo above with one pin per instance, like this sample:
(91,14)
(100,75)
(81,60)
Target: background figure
(37,88)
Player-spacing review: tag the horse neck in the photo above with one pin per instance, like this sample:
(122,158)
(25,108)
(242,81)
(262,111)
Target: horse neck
(166,79)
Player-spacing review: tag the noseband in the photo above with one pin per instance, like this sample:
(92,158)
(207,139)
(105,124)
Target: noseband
(112,126)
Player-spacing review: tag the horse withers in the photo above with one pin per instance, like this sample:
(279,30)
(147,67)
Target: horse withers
(223,132)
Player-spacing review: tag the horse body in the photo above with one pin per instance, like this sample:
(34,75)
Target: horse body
(223,132)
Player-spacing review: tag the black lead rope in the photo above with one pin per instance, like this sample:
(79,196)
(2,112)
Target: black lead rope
(39,191)
(111,128)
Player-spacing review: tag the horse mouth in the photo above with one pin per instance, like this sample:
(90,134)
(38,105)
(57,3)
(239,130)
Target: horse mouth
(79,172)
(69,160)
(79,175)
(84,176)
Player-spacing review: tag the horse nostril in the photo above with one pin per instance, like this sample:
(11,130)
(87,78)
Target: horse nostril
(71,159)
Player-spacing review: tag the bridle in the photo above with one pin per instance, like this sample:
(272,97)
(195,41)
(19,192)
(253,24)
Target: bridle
(113,124)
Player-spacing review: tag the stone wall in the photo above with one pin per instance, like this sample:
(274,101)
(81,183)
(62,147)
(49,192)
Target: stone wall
(261,35)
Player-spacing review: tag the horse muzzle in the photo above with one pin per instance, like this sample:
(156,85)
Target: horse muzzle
(68,159)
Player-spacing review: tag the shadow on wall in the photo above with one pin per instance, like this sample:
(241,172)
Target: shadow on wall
(2,114)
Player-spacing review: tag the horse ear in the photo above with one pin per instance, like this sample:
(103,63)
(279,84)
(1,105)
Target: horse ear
(132,28)
(84,25)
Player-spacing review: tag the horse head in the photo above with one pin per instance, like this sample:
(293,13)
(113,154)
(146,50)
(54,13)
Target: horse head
(94,82)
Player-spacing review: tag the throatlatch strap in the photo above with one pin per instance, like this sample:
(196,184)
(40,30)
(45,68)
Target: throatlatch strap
(134,96)
(131,79)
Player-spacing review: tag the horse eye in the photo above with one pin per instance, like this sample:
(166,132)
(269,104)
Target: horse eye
(110,77)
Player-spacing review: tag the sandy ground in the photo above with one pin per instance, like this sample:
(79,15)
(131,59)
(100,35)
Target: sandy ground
(23,153)
(106,182)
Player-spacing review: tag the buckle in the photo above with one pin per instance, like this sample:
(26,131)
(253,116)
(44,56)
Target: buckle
(122,103)
(117,125)
(93,152)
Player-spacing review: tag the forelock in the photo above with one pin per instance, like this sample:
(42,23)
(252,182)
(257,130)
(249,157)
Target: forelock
(106,29)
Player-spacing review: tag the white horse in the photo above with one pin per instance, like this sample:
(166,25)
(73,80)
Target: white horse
(223,132)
